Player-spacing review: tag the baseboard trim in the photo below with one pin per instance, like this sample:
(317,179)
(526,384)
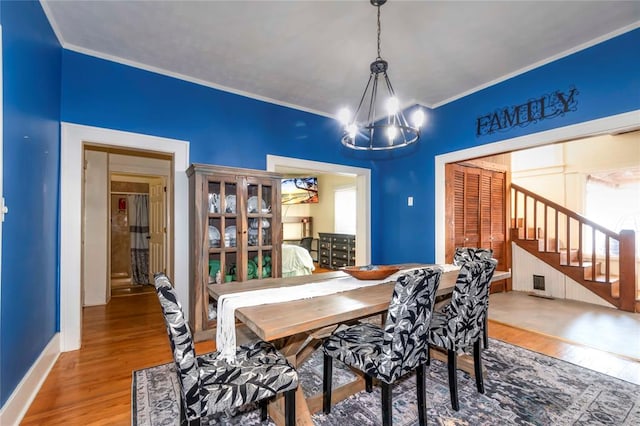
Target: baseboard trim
(23,395)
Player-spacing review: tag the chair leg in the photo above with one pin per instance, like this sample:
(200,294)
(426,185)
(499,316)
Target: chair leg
(368,383)
(290,408)
(477,366)
(422,403)
(386,404)
(327,373)
(452,361)
(485,332)
(263,409)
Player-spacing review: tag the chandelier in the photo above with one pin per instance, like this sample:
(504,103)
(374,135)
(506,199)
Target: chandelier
(366,131)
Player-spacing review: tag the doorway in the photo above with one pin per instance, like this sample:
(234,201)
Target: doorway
(137,243)
(117,224)
(74,138)
(363,193)
(608,125)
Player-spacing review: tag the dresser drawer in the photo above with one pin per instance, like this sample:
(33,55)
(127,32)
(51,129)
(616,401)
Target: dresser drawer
(337,263)
(340,255)
(341,240)
(343,247)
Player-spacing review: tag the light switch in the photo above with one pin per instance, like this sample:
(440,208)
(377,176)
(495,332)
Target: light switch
(410,201)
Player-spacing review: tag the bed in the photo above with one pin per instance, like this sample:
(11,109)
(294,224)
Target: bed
(296,261)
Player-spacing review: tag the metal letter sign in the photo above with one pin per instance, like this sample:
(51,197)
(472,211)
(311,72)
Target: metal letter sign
(546,106)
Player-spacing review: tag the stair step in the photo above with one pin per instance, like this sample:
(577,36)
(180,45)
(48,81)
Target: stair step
(581,272)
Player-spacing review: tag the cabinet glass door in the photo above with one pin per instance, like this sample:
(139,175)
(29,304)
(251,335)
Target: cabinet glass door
(223,234)
(260,229)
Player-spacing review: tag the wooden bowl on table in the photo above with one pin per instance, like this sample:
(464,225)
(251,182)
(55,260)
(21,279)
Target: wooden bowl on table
(370,272)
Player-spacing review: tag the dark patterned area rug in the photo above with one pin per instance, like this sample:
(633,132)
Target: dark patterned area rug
(521,388)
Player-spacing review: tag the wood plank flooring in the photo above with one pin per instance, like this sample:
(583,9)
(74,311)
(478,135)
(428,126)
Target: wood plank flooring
(92,386)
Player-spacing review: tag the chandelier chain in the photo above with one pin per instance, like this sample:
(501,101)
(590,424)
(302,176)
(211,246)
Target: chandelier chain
(379,57)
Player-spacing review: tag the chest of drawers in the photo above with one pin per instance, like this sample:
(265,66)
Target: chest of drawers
(336,250)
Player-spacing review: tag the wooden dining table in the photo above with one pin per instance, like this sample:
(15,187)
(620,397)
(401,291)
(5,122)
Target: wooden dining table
(296,327)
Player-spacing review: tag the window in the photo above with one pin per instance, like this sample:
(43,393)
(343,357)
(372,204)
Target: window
(345,210)
(613,201)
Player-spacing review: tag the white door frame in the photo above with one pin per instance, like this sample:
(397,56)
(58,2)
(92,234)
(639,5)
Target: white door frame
(608,125)
(72,144)
(363,189)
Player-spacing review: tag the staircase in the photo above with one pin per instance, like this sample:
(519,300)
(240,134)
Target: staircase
(566,241)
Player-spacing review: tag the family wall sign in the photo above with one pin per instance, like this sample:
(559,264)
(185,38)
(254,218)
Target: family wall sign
(547,106)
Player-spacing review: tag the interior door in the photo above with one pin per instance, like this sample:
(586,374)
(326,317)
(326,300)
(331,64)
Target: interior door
(157,226)
(476,210)
(492,214)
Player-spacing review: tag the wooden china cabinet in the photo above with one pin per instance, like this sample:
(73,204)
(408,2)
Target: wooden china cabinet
(235,234)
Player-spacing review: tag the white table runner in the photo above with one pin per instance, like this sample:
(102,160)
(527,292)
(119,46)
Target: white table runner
(228,303)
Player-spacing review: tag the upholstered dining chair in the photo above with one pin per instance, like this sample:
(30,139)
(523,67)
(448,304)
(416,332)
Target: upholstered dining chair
(389,352)
(459,326)
(209,384)
(465,254)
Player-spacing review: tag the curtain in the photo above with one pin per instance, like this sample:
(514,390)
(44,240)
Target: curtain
(138,216)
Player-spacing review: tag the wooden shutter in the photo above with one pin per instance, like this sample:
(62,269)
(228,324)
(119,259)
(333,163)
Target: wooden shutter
(475,210)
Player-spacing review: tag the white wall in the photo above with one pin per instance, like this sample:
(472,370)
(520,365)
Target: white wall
(557,285)
(559,172)
(95,238)
(323,212)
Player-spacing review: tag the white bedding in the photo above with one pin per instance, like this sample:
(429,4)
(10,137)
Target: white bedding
(296,261)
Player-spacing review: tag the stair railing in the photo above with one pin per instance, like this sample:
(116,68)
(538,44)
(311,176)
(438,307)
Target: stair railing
(538,218)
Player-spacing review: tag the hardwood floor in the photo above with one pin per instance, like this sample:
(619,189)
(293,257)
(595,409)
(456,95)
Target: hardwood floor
(92,386)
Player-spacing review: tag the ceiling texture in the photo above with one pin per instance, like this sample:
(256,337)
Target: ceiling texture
(315,55)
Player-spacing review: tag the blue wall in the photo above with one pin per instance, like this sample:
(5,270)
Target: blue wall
(31,107)
(44,85)
(222,128)
(607,77)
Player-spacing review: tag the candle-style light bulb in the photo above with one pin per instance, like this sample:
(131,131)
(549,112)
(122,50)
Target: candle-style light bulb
(418,117)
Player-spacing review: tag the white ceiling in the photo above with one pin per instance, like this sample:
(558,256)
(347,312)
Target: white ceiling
(315,55)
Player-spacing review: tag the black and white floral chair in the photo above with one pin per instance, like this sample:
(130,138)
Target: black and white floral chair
(459,326)
(465,254)
(389,353)
(211,385)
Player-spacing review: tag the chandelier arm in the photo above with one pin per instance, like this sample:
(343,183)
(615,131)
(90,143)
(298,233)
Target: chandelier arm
(372,101)
(364,94)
